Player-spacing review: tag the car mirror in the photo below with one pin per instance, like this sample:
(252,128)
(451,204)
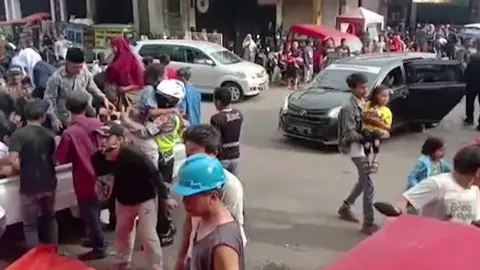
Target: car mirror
(209,62)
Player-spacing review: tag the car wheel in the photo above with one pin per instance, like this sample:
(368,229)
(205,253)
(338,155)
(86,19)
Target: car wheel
(235,90)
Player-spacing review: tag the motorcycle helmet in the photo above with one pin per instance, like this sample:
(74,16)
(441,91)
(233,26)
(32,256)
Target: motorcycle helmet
(198,174)
(173,90)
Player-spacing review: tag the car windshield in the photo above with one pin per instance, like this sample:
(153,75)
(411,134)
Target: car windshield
(334,76)
(225,57)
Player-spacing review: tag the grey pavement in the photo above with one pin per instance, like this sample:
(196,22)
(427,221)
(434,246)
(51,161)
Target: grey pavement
(293,189)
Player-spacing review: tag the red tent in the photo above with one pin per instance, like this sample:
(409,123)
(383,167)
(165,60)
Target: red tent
(415,243)
(45,258)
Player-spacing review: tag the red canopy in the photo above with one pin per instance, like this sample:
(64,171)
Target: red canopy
(29,19)
(415,243)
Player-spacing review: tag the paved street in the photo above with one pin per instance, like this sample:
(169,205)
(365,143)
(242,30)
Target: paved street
(293,190)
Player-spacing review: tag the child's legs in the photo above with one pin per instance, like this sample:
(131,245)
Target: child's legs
(368,138)
(376,143)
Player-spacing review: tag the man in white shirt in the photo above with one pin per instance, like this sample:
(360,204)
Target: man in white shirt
(61,47)
(350,143)
(206,139)
(449,196)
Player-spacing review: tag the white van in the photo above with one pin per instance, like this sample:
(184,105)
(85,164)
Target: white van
(10,199)
(211,64)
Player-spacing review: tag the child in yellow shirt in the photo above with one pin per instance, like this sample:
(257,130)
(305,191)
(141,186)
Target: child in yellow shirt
(377,121)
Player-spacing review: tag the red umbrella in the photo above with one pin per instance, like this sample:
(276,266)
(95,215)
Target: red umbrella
(415,243)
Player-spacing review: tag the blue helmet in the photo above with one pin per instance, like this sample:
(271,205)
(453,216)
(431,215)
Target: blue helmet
(199,173)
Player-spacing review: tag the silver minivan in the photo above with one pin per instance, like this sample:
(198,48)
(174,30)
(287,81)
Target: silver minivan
(212,66)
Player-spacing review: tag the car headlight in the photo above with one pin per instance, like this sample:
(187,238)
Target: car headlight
(284,108)
(333,113)
(241,75)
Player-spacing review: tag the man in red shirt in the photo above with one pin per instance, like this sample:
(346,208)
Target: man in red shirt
(169,71)
(76,146)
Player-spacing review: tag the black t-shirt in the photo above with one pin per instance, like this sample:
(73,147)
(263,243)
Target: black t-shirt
(229,123)
(36,147)
(136,179)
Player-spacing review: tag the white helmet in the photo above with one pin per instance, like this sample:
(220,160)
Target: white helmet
(172,88)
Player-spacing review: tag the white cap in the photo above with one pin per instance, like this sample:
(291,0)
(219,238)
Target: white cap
(173,88)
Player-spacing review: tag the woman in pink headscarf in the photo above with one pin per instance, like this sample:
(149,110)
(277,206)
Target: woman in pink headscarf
(124,75)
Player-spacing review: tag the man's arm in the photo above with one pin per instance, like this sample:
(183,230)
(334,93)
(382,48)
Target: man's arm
(15,147)
(50,95)
(62,154)
(225,258)
(420,195)
(163,191)
(92,88)
(185,242)
(349,125)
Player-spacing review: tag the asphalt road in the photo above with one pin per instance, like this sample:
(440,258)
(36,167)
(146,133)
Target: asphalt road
(293,189)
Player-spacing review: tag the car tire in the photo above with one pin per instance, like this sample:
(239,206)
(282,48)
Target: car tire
(235,90)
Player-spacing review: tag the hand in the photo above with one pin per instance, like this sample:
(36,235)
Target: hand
(171,203)
(109,105)
(103,111)
(56,124)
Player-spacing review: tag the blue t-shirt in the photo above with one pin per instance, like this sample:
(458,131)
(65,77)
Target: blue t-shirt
(147,99)
(191,104)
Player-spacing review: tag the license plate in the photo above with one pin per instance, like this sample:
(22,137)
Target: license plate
(300,130)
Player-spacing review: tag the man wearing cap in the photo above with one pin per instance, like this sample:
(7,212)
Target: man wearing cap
(18,91)
(218,242)
(137,184)
(76,146)
(31,151)
(74,76)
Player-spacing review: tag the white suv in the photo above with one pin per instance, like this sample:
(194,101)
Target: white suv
(212,66)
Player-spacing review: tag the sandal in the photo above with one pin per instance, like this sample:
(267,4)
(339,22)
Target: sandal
(374,167)
(367,166)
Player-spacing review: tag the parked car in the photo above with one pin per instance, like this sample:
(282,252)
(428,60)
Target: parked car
(212,66)
(10,196)
(424,90)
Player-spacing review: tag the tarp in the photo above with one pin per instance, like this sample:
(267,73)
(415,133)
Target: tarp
(415,243)
(361,16)
(45,258)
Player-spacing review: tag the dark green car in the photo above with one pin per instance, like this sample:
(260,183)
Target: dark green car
(424,90)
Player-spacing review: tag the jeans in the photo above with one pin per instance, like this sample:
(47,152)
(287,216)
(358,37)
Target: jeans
(470,95)
(33,206)
(125,233)
(365,185)
(90,212)
(231,165)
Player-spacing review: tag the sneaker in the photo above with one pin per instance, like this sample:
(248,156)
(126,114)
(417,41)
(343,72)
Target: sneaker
(468,122)
(86,243)
(94,254)
(345,213)
(369,229)
(478,128)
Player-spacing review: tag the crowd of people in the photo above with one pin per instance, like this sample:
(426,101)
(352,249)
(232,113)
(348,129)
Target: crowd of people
(120,140)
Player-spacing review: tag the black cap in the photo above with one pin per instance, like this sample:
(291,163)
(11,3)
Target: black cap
(15,70)
(110,129)
(75,55)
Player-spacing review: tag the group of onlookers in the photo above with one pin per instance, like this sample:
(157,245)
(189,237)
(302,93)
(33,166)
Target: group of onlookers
(120,141)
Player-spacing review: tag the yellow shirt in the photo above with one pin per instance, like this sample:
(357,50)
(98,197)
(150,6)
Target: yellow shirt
(383,113)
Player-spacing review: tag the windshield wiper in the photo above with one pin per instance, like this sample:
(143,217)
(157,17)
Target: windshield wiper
(326,87)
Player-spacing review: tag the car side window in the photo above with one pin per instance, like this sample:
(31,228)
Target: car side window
(176,53)
(394,78)
(436,73)
(195,56)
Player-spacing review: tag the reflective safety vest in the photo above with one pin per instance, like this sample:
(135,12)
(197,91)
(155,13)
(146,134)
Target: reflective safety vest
(166,141)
